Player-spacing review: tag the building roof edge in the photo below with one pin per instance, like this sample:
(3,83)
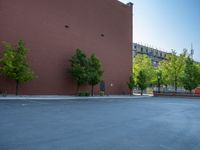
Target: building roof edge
(130,4)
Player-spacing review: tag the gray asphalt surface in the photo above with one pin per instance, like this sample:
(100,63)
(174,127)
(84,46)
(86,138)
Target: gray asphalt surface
(122,124)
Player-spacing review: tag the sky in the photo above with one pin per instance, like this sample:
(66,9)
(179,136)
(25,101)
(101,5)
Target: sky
(167,24)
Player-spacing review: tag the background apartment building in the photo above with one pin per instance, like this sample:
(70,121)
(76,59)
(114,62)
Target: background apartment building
(154,54)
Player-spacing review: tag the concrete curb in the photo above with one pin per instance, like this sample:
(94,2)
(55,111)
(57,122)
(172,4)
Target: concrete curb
(55,97)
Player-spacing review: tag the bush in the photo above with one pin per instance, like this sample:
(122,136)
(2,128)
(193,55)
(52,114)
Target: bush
(101,93)
(83,93)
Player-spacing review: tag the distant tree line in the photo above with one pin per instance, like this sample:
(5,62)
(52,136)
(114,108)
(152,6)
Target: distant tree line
(175,70)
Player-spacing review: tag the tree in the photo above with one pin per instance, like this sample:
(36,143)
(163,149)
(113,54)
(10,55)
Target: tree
(85,70)
(14,63)
(143,62)
(172,68)
(131,84)
(94,72)
(191,76)
(142,81)
(78,70)
(159,79)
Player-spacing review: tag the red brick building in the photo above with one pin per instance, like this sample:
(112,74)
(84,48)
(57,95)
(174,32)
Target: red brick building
(53,29)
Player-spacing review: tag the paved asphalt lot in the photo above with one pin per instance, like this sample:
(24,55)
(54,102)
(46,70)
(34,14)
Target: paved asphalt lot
(101,124)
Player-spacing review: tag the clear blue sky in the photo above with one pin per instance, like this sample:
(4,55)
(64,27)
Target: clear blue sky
(167,24)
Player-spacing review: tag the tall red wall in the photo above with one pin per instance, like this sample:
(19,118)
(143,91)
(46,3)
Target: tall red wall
(41,24)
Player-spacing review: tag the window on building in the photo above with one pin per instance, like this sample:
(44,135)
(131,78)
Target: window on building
(157,53)
(146,50)
(135,46)
(141,49)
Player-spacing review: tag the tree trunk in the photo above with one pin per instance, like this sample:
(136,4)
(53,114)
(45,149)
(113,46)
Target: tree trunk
(175,84)
(158,86)
(166,87)
(17,87)
(131,92)
(92,90)
(141,92)
(77,88)
(176,88)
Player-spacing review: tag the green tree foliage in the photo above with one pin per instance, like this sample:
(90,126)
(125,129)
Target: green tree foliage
(131,84)
(14,63)
(172,69)
(78,70)
(163,68)
(142,80)
(85,70)
(94,72)
(143,62)
(191,76)
(198,67)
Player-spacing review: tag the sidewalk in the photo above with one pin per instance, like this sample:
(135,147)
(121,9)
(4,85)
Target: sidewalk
(58,97)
